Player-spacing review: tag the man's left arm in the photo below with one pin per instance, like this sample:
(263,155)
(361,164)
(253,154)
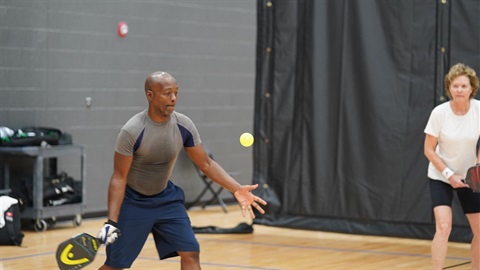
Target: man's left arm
(215,172)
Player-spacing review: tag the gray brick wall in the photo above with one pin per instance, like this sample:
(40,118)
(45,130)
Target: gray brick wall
(55,54)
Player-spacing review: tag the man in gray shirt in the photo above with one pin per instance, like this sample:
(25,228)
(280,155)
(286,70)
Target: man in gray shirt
(142,199)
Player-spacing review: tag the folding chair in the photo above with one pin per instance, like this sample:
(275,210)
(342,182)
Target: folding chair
(209,187)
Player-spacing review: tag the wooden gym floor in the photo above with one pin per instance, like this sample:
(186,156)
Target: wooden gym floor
(267,248)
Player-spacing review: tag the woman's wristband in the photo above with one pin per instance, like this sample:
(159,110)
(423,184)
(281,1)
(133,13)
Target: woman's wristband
(447,173)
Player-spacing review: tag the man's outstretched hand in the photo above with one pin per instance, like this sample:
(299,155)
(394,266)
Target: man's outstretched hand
(246,199)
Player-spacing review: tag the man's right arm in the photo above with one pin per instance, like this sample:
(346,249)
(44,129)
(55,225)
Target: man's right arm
(116,192)
(118,182)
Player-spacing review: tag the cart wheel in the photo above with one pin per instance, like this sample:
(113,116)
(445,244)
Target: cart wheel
(52,221)
(40,225)
(77,220)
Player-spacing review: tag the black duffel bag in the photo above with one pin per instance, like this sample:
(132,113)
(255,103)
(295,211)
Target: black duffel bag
(11,232)
(32,136)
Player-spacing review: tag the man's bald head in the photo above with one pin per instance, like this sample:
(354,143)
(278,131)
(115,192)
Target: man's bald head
(158,77)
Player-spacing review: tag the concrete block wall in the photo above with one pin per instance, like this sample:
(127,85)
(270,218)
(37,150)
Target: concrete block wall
(56,54)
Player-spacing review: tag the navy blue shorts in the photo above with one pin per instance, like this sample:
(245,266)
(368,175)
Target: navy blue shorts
(442,194)
(164,215)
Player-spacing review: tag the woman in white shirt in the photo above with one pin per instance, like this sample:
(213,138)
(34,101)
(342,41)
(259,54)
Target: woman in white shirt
(452,133)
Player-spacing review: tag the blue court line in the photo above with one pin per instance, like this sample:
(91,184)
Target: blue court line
(26,256)
(176,261)
(236,266)
(389,253)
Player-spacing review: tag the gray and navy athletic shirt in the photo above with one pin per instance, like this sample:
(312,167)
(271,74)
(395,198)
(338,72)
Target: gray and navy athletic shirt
(154,147)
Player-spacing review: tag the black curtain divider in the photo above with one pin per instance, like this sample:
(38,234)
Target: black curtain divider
(344,90)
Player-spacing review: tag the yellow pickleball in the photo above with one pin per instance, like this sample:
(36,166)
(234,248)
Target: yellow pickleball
(246,139)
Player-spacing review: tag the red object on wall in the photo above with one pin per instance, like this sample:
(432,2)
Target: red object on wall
(122,29)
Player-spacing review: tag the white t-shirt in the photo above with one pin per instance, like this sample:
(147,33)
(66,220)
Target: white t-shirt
(457,138)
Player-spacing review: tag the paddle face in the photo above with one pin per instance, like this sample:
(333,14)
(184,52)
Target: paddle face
(473,178)
(77,252)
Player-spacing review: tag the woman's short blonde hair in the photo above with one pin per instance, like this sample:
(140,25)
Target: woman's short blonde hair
(460,70)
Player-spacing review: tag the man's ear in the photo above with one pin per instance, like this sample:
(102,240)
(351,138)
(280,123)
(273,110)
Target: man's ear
(149,93)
